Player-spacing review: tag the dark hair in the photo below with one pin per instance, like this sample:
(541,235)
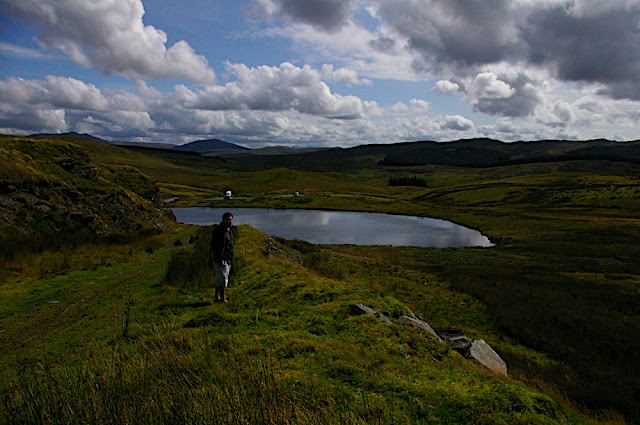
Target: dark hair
(227,214)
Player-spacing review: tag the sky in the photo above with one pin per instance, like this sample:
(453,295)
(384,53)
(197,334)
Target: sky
(321,72)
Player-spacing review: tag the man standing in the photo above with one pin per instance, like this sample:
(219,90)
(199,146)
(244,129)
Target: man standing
(221,254)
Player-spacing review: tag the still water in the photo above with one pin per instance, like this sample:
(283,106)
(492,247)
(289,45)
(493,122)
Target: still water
(343,227)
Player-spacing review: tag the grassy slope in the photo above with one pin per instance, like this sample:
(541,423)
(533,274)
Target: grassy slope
(55,192)
(283,350)
(563,274)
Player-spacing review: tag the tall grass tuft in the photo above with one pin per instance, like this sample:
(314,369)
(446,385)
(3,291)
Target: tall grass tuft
(174,377)
(190,268)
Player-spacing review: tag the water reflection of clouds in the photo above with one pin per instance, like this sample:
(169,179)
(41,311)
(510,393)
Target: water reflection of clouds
(344,227)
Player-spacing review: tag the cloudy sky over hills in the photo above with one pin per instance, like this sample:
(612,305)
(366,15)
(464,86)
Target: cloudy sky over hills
(322,72)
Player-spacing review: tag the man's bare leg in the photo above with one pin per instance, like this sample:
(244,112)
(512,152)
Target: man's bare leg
(223,299)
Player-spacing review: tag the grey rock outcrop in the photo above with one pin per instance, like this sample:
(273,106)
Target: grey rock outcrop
(360,309)
(477,350)
(482,353)
(420,324)
(455,338)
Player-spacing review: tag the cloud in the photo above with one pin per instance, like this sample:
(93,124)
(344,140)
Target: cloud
(562,110)
(596,44)
(419,105)
(508,94)
(31,119)
(453,31)
(11,49)
(57,92)
(375,54)
(58,103)
(586,41)
(383,44)
(345,75)
(446,87)
(457,123)
(110,36)
(487,85)
(327,15)
(266,88)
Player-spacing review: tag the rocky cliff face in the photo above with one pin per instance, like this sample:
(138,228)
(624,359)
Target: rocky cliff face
(51,193)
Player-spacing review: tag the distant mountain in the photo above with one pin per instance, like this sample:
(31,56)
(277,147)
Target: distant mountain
(209,145)
(72,134)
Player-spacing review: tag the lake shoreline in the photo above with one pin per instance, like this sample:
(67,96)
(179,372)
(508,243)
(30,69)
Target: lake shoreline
(336,227)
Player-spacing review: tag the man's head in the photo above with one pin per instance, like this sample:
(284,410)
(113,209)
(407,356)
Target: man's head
(227,219)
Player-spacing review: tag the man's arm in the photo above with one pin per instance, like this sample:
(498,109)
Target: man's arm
(217,244)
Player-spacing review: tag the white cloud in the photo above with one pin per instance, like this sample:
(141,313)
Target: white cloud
(27,119)
(419,105)
(110,36)
(374,54)
(487,85)
(399,108)
(457,123)
(446,87)
(266,88)
(21,52)
(58,92)
(345,75)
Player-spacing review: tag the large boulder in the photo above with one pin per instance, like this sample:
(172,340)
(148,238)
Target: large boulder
(482,353)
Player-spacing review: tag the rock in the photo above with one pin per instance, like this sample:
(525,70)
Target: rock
(462,344)
(384,318)
(420,324)
(482,353)
(89,173)
(455,338)
(360,309)
(65,162)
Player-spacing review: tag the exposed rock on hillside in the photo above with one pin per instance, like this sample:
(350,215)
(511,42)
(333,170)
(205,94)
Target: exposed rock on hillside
(360,309)
(51,193)
(420,324)
(477,351)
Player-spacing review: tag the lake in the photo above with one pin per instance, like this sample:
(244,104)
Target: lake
(343,227)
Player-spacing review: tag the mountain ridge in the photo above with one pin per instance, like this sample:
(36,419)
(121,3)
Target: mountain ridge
(208,145)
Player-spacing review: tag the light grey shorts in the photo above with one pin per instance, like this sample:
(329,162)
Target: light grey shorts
(222,273)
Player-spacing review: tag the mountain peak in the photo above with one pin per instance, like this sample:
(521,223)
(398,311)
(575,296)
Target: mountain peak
(208,145)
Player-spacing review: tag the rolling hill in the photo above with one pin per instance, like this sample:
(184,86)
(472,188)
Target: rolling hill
(475,153)
(557,296)
(209,145)
(53,194)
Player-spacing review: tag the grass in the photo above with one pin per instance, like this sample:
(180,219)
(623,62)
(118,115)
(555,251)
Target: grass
(563,276)
(284,350)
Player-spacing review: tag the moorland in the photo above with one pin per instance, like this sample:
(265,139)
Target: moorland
(106,313)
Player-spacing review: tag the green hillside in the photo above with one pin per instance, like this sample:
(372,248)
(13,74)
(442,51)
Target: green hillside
(127,346)
(461,153)
(52,193)
(126,333)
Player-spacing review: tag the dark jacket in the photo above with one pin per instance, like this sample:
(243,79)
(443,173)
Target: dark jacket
(221,244)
